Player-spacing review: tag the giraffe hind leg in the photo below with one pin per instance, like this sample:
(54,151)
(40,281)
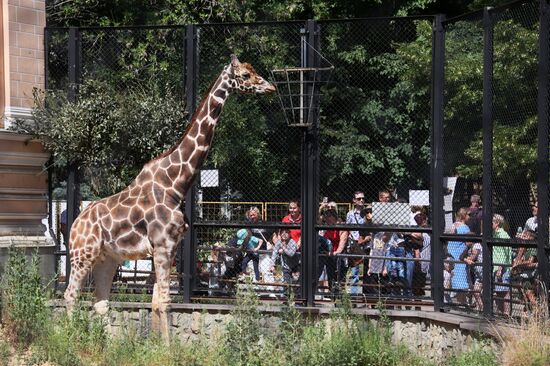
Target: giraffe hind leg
(103,273)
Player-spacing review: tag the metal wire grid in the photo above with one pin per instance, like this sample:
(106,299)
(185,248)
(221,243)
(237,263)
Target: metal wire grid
(358,69)
(57,68)
(375,136)
(515,112)
(515,62)
(462,126)
(364,142)
(134,56)
(251,137)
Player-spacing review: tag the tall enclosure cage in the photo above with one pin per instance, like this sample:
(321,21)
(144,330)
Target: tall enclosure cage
(421,119)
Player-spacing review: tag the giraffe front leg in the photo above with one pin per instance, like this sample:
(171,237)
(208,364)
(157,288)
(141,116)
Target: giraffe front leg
(80,268)
(162,257)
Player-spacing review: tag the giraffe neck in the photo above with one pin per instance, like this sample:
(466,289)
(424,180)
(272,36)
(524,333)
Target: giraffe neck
(192,150)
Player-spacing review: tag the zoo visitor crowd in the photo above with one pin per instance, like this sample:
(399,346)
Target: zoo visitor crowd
(366,262)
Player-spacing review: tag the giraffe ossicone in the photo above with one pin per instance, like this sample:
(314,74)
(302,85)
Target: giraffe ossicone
(146,218)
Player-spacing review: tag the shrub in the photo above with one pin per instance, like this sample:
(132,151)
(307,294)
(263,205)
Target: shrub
(110,133)
(69,340)
(24,297)
(482,356)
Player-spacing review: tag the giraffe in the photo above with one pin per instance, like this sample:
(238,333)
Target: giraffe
(146,218)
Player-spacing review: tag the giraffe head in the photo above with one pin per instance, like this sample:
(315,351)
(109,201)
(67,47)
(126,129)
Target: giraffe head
(244,79)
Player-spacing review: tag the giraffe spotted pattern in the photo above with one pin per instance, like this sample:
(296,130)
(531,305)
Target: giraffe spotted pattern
(146,218)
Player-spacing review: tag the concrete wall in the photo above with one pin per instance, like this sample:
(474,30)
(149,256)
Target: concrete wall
(33,246)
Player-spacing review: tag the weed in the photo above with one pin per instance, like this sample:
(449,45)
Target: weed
(5,352)
(24,297)
(481,356)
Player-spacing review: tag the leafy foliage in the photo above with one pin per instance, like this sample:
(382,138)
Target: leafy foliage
(132,12)
(515,54)
(110,134)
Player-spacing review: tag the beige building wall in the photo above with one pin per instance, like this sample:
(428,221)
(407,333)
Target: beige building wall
(23,179)
(22,59)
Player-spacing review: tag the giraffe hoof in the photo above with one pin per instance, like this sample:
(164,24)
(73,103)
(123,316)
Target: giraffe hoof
(101,307)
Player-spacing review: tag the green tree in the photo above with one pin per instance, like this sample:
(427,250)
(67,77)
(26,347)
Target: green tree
(109,134)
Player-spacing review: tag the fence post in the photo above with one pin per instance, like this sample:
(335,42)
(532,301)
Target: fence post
(310,177)
(543,165)
(438,215)
(73,189)
(487,179)
(186,251)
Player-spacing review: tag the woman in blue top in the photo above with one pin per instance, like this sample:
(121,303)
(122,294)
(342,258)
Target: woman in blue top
(456,248)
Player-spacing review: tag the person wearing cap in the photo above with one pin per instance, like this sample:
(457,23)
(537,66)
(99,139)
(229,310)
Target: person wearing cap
(250,244)
(356,237)
(286,248)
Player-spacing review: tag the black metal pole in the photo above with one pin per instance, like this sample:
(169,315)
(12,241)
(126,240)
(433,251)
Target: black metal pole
(72,180)
(487,179)
(543,165)
(186,250)
(438,214)
(310,173)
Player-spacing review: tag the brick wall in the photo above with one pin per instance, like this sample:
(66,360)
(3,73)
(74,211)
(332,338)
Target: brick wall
(25,65)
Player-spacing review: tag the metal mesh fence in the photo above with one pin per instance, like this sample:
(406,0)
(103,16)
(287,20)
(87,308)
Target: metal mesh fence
(515,60)
(255,156)
(462,136)
(57,67)
(515,114)
(513,32)
(374,143)
(374,153)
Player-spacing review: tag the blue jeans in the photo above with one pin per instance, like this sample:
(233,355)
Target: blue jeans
(409,267)
(354,281)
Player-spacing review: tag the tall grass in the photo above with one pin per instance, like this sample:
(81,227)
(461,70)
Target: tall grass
(24,312)
(249,338)
(528,342)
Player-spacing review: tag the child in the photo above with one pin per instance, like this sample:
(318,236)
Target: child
(447,277)
(376,272)
(216,269)
(287,248)
(251,244)
(396,268)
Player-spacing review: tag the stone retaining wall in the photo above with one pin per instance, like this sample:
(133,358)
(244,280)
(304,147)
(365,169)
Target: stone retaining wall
(434,335)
